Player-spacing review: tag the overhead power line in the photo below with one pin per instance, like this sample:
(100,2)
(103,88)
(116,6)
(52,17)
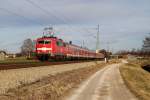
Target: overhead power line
(63,19)
(46,11)
(21,16)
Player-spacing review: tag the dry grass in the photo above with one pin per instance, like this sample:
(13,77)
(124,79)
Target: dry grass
(17,60)
(18,77)
(140,62)
(51,87)
(115,61)
(137,79)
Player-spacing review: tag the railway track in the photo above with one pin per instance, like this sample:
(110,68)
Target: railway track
(6,66)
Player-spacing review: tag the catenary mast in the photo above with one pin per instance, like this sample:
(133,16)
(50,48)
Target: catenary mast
(97,39)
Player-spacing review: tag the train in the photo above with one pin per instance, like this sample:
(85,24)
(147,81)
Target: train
(51,47)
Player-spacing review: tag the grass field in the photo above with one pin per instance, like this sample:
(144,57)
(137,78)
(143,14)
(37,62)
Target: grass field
(137,79)
(17,60)
(51,87)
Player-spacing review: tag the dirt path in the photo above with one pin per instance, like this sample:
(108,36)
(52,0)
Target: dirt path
(105,84)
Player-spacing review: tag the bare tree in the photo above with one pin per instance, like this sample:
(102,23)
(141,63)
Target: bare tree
(144,51)
(146,44)
(27,47)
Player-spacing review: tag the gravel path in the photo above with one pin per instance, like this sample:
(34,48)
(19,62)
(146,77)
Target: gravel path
(16,77)
(106,84)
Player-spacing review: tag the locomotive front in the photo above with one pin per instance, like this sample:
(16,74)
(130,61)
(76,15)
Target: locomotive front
(43,48)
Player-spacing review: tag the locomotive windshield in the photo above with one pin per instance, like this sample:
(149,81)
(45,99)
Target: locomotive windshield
(44,42)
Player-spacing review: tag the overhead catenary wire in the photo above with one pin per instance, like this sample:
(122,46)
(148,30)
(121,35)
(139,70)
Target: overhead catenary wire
(67,19)
(63,18)
(21,16)
(50,13)
(45,11)
(26,18)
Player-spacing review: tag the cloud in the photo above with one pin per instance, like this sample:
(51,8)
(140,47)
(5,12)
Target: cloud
(123,21)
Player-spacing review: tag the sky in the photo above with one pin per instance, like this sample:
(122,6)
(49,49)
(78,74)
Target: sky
(123,23)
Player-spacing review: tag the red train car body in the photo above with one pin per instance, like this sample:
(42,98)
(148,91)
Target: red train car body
(55,48)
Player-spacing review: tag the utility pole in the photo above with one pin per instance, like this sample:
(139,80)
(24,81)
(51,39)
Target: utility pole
(108,46)
(97,39)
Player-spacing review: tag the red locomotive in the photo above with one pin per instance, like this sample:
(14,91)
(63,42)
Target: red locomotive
(50,47)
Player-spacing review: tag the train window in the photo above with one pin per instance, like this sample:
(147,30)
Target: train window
(44,42)
(59,43)
(47,42)
(41,42)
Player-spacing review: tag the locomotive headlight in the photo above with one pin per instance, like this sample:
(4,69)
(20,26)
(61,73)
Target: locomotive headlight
(44,48)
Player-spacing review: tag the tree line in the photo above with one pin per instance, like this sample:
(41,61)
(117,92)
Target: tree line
(28,47)
(144,51)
